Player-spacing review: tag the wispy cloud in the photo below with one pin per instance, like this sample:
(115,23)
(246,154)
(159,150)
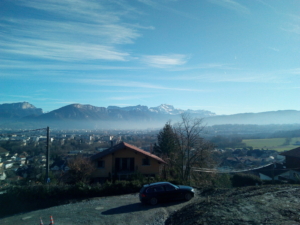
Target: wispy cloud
(294,71)
(291,24)
(129,84)
(56,66)
(71,31)
(291,27)
(17,96)
(204,66)
(76,10)
(149,3)
(163,61)
(232,5)
(130,97)
(161,6)
(63,51)
(241,77)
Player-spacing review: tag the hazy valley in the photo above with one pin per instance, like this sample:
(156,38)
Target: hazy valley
(78,116)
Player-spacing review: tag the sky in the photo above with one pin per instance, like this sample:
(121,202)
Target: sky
(225,56)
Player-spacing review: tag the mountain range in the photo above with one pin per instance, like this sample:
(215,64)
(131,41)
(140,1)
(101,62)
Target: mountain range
(87,116)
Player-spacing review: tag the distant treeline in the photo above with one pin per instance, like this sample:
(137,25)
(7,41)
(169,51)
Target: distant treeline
(228,142)
(286,134)
(248,131)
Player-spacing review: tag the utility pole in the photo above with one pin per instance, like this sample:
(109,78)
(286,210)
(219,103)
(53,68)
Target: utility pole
(48,155)
(273,168)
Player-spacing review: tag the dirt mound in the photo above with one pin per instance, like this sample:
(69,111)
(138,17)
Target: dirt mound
(249,205)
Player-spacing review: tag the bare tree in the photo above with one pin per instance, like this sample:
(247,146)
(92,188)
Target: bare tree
(80,169)
(194,151)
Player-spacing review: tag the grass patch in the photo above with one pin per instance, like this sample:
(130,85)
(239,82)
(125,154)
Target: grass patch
(277,144)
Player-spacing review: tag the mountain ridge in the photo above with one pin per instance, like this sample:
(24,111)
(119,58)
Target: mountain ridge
(131,116)
(18,110)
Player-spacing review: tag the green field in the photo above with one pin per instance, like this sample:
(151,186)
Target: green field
(278,144)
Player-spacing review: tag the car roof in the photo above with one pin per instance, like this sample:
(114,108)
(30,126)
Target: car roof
(157,183)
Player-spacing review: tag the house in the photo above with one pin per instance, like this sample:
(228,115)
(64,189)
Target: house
(2,175)
(21,158)
(230,162)
(8,164)
(292,158)
(276,171)
(124,159)
(297,143)
(292,162)
(59,165)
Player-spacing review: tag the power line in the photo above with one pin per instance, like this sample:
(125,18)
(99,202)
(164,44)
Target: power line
(209,170)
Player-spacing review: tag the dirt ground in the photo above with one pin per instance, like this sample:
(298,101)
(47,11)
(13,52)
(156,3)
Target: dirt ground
(114,210)
(241,206)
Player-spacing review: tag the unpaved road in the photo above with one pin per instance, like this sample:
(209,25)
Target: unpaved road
(114,210)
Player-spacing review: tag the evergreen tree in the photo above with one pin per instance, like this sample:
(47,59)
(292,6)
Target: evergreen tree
(167,149)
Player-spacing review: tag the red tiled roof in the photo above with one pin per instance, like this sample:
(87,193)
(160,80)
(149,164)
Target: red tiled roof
(124,145)
(293,153)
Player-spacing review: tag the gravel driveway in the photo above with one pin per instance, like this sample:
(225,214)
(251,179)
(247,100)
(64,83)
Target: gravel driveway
(124,209)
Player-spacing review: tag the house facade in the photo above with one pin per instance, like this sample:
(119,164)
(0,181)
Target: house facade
(2,175)
(124,159)
(292,158)
(292,162)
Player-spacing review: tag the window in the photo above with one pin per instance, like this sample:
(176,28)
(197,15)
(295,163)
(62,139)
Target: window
(150,190)
(159,189)
(169,187)
(146,162)
(155,189)
(124,164)
(101,164)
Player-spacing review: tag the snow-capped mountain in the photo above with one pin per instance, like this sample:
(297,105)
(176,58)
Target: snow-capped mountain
(205,113)
(141,108)
(170,110)
(166,109)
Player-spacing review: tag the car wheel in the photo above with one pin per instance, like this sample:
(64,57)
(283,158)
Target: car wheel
(153,201)
(188,196)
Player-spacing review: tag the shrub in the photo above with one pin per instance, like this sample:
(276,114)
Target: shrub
(222,181)
(241,179)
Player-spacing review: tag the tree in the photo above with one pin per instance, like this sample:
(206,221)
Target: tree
(167,149)
(194,151)
(80,169)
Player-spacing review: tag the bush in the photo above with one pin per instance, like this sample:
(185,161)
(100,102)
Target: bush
(222,181)
(241,179)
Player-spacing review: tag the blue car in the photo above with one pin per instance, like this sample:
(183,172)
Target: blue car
(165,191)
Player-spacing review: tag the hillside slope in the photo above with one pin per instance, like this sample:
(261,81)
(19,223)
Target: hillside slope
(249,205)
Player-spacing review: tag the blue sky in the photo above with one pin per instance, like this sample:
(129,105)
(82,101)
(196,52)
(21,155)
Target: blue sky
(225,56)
